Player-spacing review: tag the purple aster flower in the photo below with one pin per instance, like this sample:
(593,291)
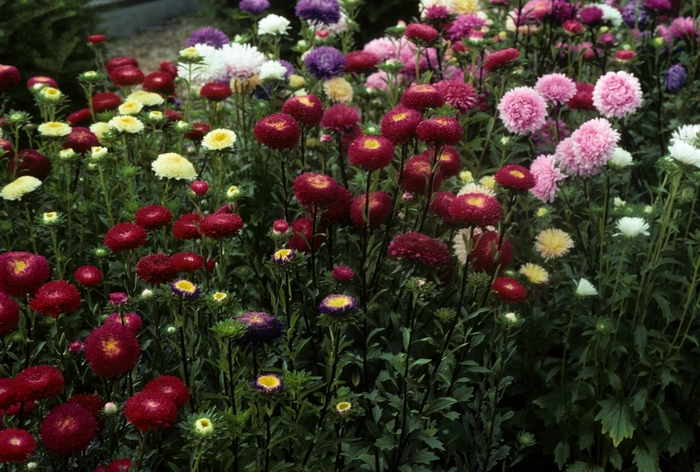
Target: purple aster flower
(261,327)
(325,62)
(463,25)
(287,65)
(210,36)
(268,384)
(337,305)
(634,15)
(254,6)
(323,11)
(184,289)
(675,78)
(283,256)
(590,15)
(563,11)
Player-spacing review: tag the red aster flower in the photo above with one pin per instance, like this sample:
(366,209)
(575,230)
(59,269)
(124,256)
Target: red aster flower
(22,273)
(420,248)
(88,275)
(221,225)
(302,229)
(476,209)
(119,465)
(460,95)
(38,382)
(111,350)
(583,100)
(307,109)
(358,62)
(482,257)
(371,152)
(379,209)
(125,237)
(152,217)
(169,67)
(450,161)
(172,116)
(68,428)
(16,445)
(54,298)
(150,410)
(131,321)
(92,403)
(227,208)
(187,261)
(514,177)
(5,146)
(9,75)
(8,392)
(120,61)
(343,273)
(625,55)
(9,314)
(199,129)
(440,130)
(215,91)
(211,265)
(339,211)
(572,26)
(41,79)
(187,226)
(104,101)
(171,387)
(416,175)
(420,97)
(81,140)
(261,328)
(13,410)
(156,269)
(277,131)
(508,290)
(315,189)
(501,58)
(159,82)
(441,206)
(78,117)
(280,227)
(31,162)
(96,39)
(421,32)
(399,125)
(126,76)
(340,118)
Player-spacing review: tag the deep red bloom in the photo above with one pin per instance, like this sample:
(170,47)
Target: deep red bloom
(420,248)
(111,350)
(302,229)
(171,387)
(22,273)
(514,177)
(187,261)
(199,129)
(152,217)
(357,62)
(277,131)
(81,140)
(68,428)
(572,26)
(501,58)
(508,290)
(104,101)
(482,257)
(13,410)
(371,152)
(8,392)
(126,76)
(172,116)
(41,79)
(280,227)
(5,147)
(38,382)
(16,445)
(379,209)
(9,315)
(226,208)
(420,97)
(96,38)
(450,161)
(88,275)
(441,206)
(583,100)
(307,109)
(343,273)
(156,269)
(422,32)
(169,67)
(625,55)
(125,237)
(399,124)
(476,209)
(131,321)
(416,175)
(338,212)
(215,91)
(31,162)
(9,75)
(91,402)
(315,189)
(119,465)
(221,225)
(460,95)
(341,118)
(159,82)
(150,410)
(440,130)
(55,297)
(187,226)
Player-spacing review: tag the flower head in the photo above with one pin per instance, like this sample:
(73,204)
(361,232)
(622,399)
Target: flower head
(16,445)
(54,298)
(675,77)
(592,145)
(54,129)
(184,289)
(268,384)
(152,217)
(221,225)
(534,273)
(187,226)
(371,152)
(324,62)
(417,173)
(553,243)
(476,209)
(522,110)
(337,305)
(338,89)
(556,88)
(420,248)
(130,320)
(111,350)
(283,256)
(343,408)
(305,109)
(187,261)
(38,382)
(150,411)
(272,71)
(215,91)
(302,238)
(126,124)
(326,12)
(508,290)
(343,273)
(254,6)
(617,94)
(104,101)
(125,237)
(631,227)
(68,428)
(585,289)
(620,158)
(261,328)
(203,427)
(154,84)
(340,118)
(515,177)
(501,58)
(22,273)
(372,213)
(209,36)
(173,166)
(20,187)
(399,125)
(170,387)
(9,318)
(684,153)
(277,131)
(441,130)
(357,62)
(422,96)
(273,25)
(219,139)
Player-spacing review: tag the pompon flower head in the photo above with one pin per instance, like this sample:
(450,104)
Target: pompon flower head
(53,129)
(272,71)
(399,125)
(508,290)
(631,227)
(315,189)
(534,273)
(421,32)
(9,317)
(215,91)
(590,15)
(556,88)
(268,384)
(357,62)
(81,140)
(675,77)
(283,256)
(126,124)
(441,130)
(104,101)
(464,26)
(617,94)
(593,145)
(21,186)
(221,225)
(420,248)
(219,139)
(553,243)
(22,273)
(273,25)
(54,298)
(341,118)
(440,205)
(156,269)
(118,298)
(585,289)
(338,89)
(154,84)
(68,428)
(620,159)
(184,289)
(325,62)
(379,208)
(501,58)
(254,6)
(583,99)
(371,152)
(277,131)
(209,36)
(171,387)
(514,177)
(32,163)
(546,175)
(187,261)
(686,133)
(125,237)
(187,226)
(173,166)
(153,217)
(111,350)
(306,109)
(422,96)
(460,95)
(38,382)
(261,328)
(8,392)
(337,305)
(321,11)
(16,445)
(130,107)
(343,273)
(522,110)
(417,174)
(130,320)
(150,411)
(126,76)
(684,153)
(476,209)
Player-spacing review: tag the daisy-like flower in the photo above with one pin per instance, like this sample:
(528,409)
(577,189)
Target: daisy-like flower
(51,94)
(98,152)
(338,89)
(686,133)
(283,256)
(617,94)
(184,289)
(126,124)
(268,384)
(54,129)
(219,297)
(261,327)
(130,107)
(343,408)
(337,305)
(682,152)
(147,99)
(522,110)
(534,273)
(173,166)
(21,186)
(631,227)
(219,139)
(271,71)
(620,158)
(553,243)
(274,25)
(585,289)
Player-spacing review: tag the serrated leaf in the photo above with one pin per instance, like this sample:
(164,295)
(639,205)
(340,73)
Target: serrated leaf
(646,461)
(680,438)
(584,467)
(561,453)
(639,400)
(616,419)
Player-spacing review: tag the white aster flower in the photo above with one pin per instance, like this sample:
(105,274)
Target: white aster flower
(472,187)
(631,227)
(620,158)
(204,427)
(585,289)
(173,166)
(126,124)
(610,14)
(66,154)
(618,202)
(54,129)
(684,153)
(219,139)
(273,25)
(334,29)
(18,188)
(686,133)
(98,152)
(272,70)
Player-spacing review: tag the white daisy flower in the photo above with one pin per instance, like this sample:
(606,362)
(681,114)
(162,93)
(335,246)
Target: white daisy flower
(632,227)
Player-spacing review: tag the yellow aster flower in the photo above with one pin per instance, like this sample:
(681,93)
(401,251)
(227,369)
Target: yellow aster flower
(462,7)
(296,81)
(20,187)
(127,124)
(148,99)
(553,243)
(542,212)
(465,176)
(50,94)
(54,129)
(218,139)
(173,166)
(488,182)
(338,89)
(99,129)
(130,107)
(534,273)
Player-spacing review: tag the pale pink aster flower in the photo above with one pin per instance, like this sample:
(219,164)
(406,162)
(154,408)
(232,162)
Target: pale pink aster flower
(522,110)
(617,94)
(664,32)
(546,175)
(682,27)
(556,88)
(537,9)
(377,81)
(383,48)
(566,157)
(593,144)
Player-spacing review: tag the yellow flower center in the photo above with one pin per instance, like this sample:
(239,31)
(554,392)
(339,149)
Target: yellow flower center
(18,266)
(305,101)
(399,117)
(476,201)
(15,441)
(372,143)
(517,173)
(111,347)
(255,319)
(282,253)
(441,121)
(65,423)
(219,296)
(344,406)
(424,88)
(318,181)
(186,285)
(423,167)
(50,214)
(277,124)
(219,137)
(338,302)
(269,381)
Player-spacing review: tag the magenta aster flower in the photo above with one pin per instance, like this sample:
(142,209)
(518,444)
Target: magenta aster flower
(463,25)
(522,110)
(546,175)
(556,88)
(617,94)
(460,95)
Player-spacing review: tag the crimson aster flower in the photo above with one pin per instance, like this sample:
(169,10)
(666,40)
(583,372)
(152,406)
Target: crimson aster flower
(38,382)
(22,273)
(54,298)
(111,350)
(16,445)
(150,411)
(125,237)
(278,131)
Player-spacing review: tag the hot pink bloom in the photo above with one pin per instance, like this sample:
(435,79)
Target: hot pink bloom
(522,110)
(546,175)
(617,94)
(460,95)
(556,88)
(683,27)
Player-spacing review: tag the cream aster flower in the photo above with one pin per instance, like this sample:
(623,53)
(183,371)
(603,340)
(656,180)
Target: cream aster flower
(585,289)
(465,176)
(218,139)
(631,227)
(126,124)
(189,53)
(472,187)
(273,25)
(51,218)
(553,243)
(620,158)
(272,70)
(173,166)
(130,107)
(99,129)
(66,154)
(686,133)
(685,153)
(204,427)
(156,116)
(488,181)
(98,152)
(462,7)
(462,238)
(301,92)
(148,99)
(233,192)
(338,89)
(534,273)
(54,129)
(17,189)
(50,94)
(296,81)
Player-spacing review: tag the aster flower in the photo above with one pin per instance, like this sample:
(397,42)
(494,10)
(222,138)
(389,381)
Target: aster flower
(91,402)
(173,166)
(617,94)
(324,62)
(421,33)
(500,58)
(273,25)
(684,153)
(184,289)
(315,189)
(379,208)
(357,62)
(111,350)
(634,15)
(152,217)
(130,320)
(272,71)
(283,256)
(9,316)
(508,290)
(553,243)
(326,12)
(399,125)
(68,428)
(675,77)
(125,237)
(221,225)
(254,6)
(420,97)
(187,261)
(476,209)
(556,88)
(343,408)
(341,118)
(546,176)
(22,273)
(592,145)
(9,75)
(215,91)
(585,289)
(170,387)
(302,238)
(343,273)
(118,299)
(515,177)
(54,298)
(268,384)
(441,130)
(8,392)
(158,82)
(371,152)
(81,140)
(261,328)
(338,89)
(219,139)
(522,110)
(120,61)
(187,226)
(620,159)
(126,76)
(16,445)
(463,26)
(337,305)
(534,273)
(590,15)
(277,131)
(416,174)
(209,36)
(460,95)
(31,163)
(306,109)
(21,186)
(631,227)
(150,411)
(126,124)
(53,129)
(420,248)
(38,382)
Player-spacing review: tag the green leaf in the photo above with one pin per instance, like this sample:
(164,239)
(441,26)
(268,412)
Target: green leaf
(646,461)
(616,419)
(584,467)
(680,438)
(561,453)
(639,400)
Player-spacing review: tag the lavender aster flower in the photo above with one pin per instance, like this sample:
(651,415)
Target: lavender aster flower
(322,11)
(283,256)
(254,6)
(260,327)
(184,289)
(210,36)
(287,65)
(337,305)
(325,62)
(675,78)
(634,15)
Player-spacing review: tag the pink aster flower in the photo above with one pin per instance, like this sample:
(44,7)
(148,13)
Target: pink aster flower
(566,158)
(460,95)
(546,175)
(522,110)
(617,94)
(383,48)
(377,81)
(683,27)
(556,88)
(594,143)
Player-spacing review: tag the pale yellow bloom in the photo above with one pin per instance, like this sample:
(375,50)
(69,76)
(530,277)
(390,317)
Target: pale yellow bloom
(54,129)
(534,273)
(99,129)
(127,124)
(488,181)
(553,243)
(130,107)
(338,89)
(50,94)
(173,166)
(20,187)
(296,81)
(218,139)
(148,99)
